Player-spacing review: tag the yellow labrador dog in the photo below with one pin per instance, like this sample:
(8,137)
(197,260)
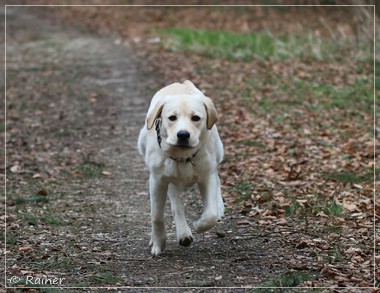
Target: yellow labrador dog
(181,147)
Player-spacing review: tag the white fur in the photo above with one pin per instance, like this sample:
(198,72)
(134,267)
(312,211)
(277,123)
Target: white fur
(171,177)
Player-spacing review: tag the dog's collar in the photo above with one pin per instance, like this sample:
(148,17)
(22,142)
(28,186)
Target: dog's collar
(187,160)
(158,124)
(159,139)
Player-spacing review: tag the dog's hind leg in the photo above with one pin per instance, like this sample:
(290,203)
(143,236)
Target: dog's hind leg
(184,236)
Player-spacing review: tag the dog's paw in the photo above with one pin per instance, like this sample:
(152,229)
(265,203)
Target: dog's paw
(203,225)
(186,240)
(156,250)
(158,247)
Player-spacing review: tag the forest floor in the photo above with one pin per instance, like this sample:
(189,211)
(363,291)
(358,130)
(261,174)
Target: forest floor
(297,177)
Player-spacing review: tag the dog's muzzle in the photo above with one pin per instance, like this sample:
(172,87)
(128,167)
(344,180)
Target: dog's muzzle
(183,138)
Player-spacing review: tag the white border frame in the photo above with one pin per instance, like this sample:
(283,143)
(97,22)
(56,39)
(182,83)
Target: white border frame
(188,5)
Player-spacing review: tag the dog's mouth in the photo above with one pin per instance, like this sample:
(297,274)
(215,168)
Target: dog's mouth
(182,145)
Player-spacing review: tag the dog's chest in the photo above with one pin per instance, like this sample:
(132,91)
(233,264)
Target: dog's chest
(181,173)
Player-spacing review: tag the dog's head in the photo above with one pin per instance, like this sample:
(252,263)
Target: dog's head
(185,115)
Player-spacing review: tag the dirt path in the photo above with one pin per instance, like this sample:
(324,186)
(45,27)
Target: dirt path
(76,187)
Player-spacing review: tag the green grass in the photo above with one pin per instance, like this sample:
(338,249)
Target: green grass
(106,278)
(325,106)
(249,46)
(329,208)
(51,220)
(333,229)
(286,280)
(360,94)
(30,219)
(34,199)
(293,209)
(244,187)
(310,95)
(334,255)
(67,263)
(90,169)
(46,218)
(346,177)
(11,239)
(333,209)
(250,142)
(244,190)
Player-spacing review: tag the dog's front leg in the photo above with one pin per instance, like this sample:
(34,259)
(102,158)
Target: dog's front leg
(184,236)
(212,203)
(158,192)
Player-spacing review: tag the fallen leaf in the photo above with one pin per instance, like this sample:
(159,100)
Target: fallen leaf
(243,222)
(282,221)
(15,169)
(26,248)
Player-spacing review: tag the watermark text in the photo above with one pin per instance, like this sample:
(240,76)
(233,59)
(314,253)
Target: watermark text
(31,280)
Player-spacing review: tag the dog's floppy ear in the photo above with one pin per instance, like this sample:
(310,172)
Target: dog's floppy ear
(212,115)
(153,115)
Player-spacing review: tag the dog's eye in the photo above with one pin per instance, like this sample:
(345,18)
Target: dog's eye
(195,118)
(172,118)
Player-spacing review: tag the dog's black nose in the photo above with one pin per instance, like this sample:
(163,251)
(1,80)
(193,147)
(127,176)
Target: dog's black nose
(183,134)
